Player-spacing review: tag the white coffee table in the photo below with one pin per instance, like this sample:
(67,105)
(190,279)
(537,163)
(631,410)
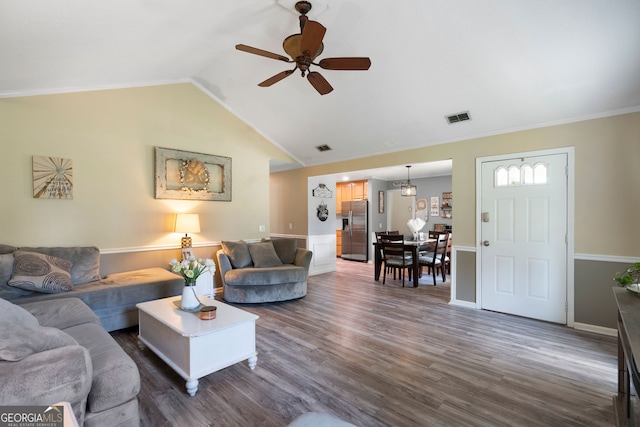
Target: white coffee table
(194,347)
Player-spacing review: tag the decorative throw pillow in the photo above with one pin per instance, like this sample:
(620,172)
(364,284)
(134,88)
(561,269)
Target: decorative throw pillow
(41,273)
(264,255)
(286,249)
(238,253)
(85,260)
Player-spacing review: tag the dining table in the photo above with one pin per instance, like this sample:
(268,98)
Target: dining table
(413,246)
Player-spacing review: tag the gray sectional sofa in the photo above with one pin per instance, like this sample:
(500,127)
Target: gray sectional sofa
(266,271)
(56,351)
(113,298)
(55,314)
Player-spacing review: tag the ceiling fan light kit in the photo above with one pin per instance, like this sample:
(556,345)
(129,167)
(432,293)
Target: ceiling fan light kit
(304,48)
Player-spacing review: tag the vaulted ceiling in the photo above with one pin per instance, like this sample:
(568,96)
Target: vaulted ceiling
(513,64)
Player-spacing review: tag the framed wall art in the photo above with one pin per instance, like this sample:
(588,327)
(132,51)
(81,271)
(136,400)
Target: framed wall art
(421,209)
(381,202)
(185,175)
(435,206)
(52,177)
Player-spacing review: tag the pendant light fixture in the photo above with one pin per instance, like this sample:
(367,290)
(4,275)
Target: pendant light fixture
(408,189)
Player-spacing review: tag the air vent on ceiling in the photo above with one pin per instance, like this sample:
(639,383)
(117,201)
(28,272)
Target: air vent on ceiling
(323,147)
(459,117)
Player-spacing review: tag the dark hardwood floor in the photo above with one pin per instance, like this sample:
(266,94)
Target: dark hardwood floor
(379,355)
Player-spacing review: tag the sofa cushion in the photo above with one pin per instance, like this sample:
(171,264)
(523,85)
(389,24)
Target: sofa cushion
(13,313)
(61,313)
(285,273)
(7,249)
(286,249)
(6,267)
(116,378)
(238,253)
(85,261)
(120,289)
(264,255)
(41,273)
(19,341)
(21,335)
(6,270)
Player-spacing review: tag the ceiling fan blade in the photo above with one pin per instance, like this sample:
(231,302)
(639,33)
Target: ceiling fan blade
(345,63)
(261,52)
(319,83)
(276,78)
(312,36)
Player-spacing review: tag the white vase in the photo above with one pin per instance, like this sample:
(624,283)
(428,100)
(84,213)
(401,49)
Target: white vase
(189,298)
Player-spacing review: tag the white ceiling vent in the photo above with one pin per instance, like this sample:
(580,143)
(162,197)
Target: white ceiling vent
(459,117)
(323,147)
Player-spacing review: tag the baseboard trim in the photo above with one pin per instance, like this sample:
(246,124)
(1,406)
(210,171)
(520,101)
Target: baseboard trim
(322,270)
(596,329)
(466,304)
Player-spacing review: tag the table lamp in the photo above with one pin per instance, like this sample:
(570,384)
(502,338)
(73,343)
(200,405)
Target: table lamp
(187,223)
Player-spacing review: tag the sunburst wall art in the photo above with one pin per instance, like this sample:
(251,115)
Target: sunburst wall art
(52,178)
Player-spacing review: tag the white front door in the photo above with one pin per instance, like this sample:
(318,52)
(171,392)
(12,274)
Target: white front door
(524,237)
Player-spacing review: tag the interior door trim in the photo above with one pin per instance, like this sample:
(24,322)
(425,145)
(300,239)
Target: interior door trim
(570,152)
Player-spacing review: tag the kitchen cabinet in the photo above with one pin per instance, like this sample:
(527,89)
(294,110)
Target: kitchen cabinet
(348,191)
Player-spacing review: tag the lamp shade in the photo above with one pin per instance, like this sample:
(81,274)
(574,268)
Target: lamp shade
(408,189)
(187,223)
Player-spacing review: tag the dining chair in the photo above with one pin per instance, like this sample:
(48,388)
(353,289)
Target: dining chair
(379,234)
(395,237)
(395,258)
(447,257)
(433,234)
(435,260)
(430,246)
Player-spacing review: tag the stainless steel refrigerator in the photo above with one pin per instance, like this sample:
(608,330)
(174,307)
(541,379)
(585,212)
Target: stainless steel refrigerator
(355,237)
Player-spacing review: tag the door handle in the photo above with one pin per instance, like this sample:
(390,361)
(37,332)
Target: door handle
(485,243)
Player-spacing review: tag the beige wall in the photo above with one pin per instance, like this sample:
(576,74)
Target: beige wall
(110,137)
(607,180)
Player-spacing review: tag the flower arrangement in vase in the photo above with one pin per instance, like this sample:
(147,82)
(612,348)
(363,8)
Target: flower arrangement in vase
(629,278)
(190,270)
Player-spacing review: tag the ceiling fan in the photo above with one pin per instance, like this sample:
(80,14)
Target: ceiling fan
(304,48)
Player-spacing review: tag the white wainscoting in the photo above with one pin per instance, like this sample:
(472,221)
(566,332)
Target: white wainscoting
(324,253)
(454,278)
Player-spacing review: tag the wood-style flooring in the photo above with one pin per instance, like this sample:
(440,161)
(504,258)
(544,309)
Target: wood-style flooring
(378,355)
